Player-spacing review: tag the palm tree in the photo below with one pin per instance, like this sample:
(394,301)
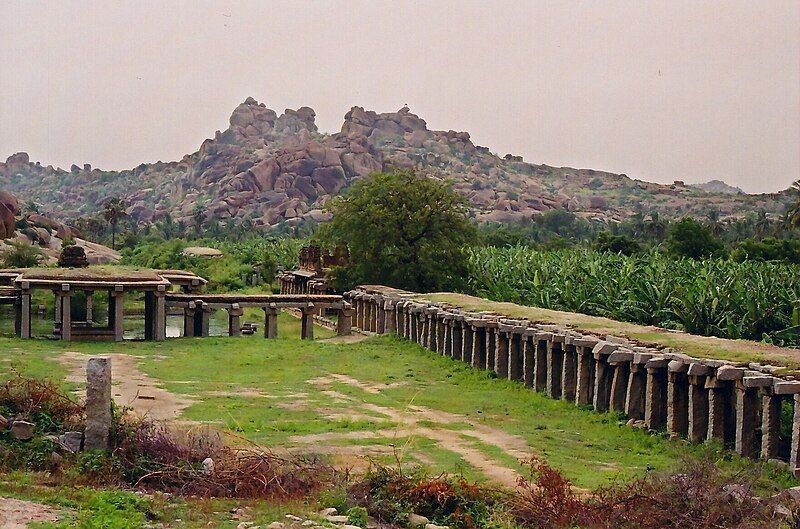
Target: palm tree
(762,224)
(113,211)
(793,213)
(656,226)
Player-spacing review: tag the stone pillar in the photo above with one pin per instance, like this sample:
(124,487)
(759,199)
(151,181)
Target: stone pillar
(149,315)
(637,382)
(235,320)
(24,308)
(528,357)
(501,352)
(620,360)
(307,330)
(603,378)
(66,312)
(794,451)
(540,366)
(677,399)
(467,336)
(380,315)
(424,328)
(584,387)
(119,312)
(655,403)
(271,321)
(390,318)
(441,332)
(569,368)
(515,359)
(57,318)
(89,307)
(491,344)
(160,314)
(368,314)
(770,426)
(188,319)
(747,404)
(205,319)
(719,408)
(555,365)
(413,323)
(457,336)
(698,402)
(98,404)
(478,357)
(344,325)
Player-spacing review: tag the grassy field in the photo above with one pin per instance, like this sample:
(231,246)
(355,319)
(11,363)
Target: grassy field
(699,346)
(381,398)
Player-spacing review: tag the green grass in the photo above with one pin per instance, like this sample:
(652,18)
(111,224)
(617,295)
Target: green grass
(275,392)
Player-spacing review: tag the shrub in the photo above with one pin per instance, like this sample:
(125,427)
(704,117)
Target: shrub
(20,254)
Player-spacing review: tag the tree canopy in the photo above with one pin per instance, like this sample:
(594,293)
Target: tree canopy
(402,230)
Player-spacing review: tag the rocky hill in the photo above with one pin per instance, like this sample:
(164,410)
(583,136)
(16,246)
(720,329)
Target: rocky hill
(271,168)
(45,233)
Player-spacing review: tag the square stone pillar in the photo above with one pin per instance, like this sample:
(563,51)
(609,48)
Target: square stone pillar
(307,327)
(235,320)
(344,325)
(24,308)
(555,365)
(603,379)
(698,402)
(188,319)
(569,369)
(541,340)
(271,320)
(655,403)
(98,404)
(721,422)
(794,449)
(205,319)
(456,338)
(515,358)
(584,387)
(501,352)
(149,315)
(66,312)
(770,425)
(678,399)
(478,357)
(413,319)
(380,315)
(441,332)
(118,297)
(491,343)
(747,406)
(390,317)
(620,360)
(467,336)
(89,307)
(160,308)
(368,314)
(635,396)
(528,357)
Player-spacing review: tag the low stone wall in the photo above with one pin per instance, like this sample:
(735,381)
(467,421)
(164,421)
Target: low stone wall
(744,406)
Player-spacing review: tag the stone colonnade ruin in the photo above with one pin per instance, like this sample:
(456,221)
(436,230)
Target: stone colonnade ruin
(747,408)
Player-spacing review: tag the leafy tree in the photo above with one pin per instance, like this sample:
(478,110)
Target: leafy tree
(402,230)
(607,242)
(793,213)
(21,255)
(199,217)
(690,238)
(767,249)
(113,212)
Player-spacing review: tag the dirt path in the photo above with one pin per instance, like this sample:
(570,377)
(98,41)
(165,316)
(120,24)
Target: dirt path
(17,514)
(417,421)
(131,387)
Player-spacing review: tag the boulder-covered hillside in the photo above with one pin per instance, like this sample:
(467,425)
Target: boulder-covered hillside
(270,168)
(45,233)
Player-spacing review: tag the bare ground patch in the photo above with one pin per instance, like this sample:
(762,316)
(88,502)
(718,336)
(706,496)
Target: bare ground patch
(417,421)
(17,514)
(130,387)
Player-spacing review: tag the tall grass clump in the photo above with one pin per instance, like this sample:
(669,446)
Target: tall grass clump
(713,297)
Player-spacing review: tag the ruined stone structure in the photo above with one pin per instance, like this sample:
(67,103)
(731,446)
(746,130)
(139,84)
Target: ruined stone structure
(700,399)
(157,288)
(311,278)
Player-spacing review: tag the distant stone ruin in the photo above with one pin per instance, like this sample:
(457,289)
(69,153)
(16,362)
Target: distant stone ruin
(73,256)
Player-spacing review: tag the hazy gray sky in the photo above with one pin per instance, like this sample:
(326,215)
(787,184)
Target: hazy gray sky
(659,90)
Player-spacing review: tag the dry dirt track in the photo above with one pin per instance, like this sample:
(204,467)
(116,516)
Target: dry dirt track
(146,398)
(17,514)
